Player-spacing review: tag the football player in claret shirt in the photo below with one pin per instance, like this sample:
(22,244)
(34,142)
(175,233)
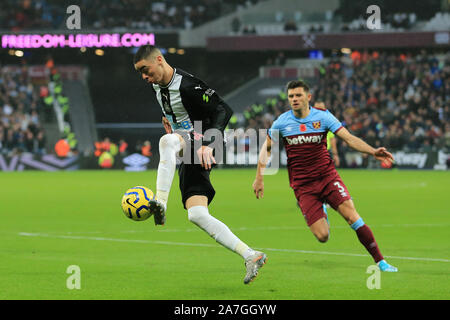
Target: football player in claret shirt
(312,174)
(185,99)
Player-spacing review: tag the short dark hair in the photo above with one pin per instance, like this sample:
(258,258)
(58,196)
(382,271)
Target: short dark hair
(297,84)
(144,52)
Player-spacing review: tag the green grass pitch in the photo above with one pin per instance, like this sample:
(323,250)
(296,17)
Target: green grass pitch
(50,221)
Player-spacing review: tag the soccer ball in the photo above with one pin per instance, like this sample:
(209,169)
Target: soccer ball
(135,203)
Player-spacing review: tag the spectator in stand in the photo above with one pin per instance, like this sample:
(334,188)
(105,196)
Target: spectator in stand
(123,146)
(236,25)
(62,148)
(290,26)
(146,149)
(280,59)
(249,30)
(103,146)
(40,142)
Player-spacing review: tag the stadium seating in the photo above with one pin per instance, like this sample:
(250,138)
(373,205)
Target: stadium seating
(440,22)
(97,14)
(20,106)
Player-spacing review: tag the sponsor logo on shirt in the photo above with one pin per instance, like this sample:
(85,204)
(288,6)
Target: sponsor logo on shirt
(304,139)
(209,92)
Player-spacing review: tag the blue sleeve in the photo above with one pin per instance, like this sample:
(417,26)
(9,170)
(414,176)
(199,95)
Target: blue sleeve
(331,123)
(274,132)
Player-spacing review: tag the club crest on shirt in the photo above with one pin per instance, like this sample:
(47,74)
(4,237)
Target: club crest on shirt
(316,125)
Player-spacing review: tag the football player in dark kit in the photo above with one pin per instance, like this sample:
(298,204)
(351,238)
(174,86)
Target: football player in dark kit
(185,99)
(312,174)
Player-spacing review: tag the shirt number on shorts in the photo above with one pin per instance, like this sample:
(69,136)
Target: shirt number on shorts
(341,189)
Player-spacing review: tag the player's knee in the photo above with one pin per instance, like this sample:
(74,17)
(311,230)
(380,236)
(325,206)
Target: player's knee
(322,236)
(320,229)
(348,211)
(198,214)
(168,140)
(351,216)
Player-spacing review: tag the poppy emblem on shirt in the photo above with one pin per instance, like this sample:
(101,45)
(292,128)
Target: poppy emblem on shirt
(302,127)
(316,125)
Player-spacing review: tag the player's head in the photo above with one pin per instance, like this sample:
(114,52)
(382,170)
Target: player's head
(150,63)
(298,94)
(319,104)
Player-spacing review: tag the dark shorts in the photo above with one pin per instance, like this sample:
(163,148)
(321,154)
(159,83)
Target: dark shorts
(312,195)
(194,180)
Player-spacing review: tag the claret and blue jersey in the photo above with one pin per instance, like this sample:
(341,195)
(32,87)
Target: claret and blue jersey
(318,121)
(305,141)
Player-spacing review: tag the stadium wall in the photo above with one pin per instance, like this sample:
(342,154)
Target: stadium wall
(436,160)
(330,41)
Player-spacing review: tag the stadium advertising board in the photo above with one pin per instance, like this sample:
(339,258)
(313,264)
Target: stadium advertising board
(101,40)
(136,162)
(27,161)
(406,160)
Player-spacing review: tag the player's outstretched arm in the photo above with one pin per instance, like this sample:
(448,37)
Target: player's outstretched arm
(358,144)
(264,156)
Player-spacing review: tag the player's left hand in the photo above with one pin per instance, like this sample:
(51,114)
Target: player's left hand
(258,188)
(205,155)
(383,155)
(337,161)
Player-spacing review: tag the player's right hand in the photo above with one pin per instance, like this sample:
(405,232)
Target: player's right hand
(166,125)
(383,155)
(205,155)
(258,188)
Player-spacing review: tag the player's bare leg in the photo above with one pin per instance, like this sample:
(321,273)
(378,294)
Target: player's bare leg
(198,214)
(169,146)
(321,229)
(364,233)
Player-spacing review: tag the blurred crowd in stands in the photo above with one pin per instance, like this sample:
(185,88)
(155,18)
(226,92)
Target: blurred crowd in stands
(20,104)
(400,101)
(122,148)
(98,14)
(17,15)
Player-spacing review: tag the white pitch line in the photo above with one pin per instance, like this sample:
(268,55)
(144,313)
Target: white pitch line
(353,254)
(26,234)
(268,228)
(44,235)
(262,228)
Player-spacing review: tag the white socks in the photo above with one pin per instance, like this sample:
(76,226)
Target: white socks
(169,146)
(200,216)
